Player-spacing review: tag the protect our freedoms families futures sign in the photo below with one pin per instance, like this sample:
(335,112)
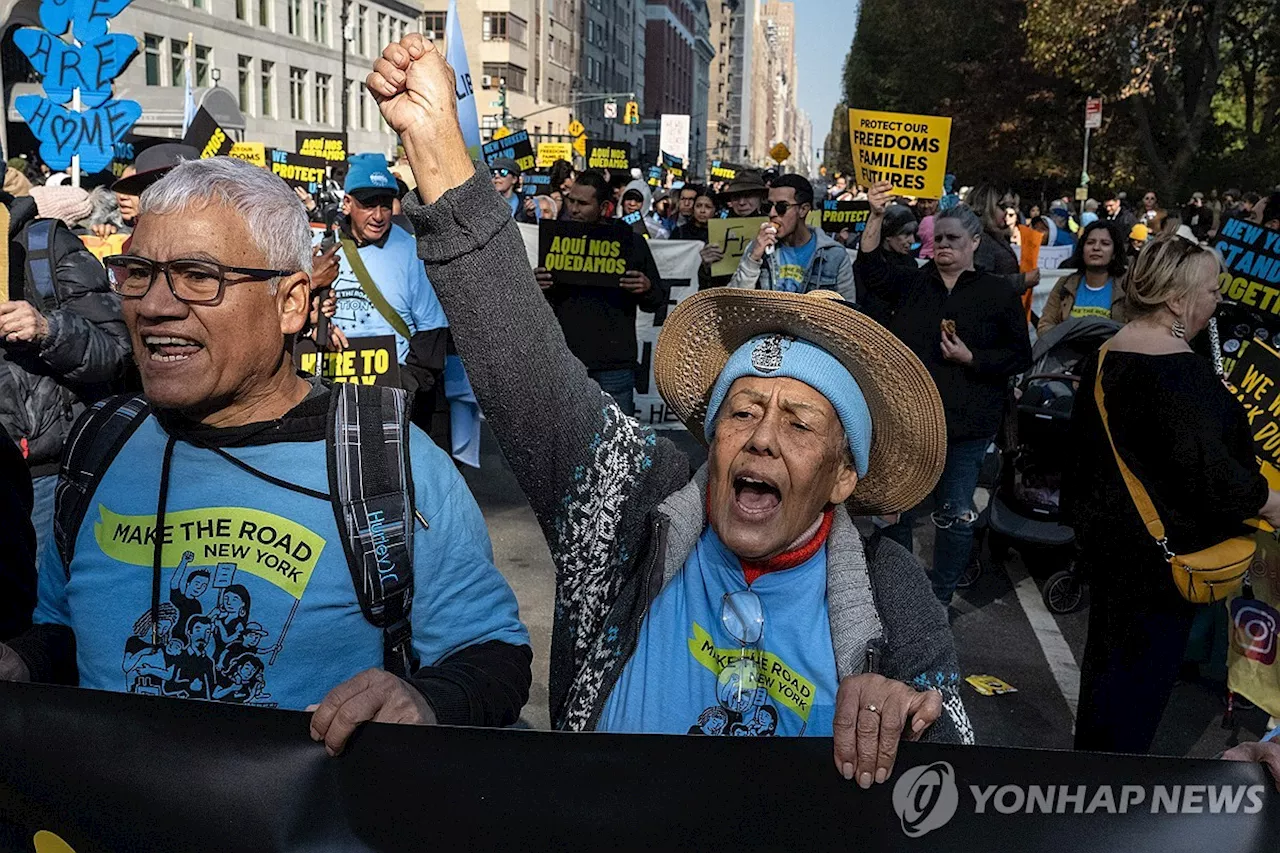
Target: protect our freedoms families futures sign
(93,772)
(908,150)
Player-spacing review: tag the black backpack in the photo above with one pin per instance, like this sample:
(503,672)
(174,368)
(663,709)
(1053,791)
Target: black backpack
(360,485)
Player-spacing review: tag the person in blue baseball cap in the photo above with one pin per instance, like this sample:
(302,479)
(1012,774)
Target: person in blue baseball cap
(382,288)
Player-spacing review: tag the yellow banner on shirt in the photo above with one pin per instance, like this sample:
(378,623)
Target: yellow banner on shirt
(263,544)
(784,684)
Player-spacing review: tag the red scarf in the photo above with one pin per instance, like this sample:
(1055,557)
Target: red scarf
(753,569)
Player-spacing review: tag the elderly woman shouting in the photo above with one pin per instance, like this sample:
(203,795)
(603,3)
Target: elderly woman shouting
(737,600)
(969,329)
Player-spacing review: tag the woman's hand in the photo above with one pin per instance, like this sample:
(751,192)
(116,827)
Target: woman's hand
(878,197)
(711,254)
(1267,754)
(1270,512)
(873,714)
(954,349)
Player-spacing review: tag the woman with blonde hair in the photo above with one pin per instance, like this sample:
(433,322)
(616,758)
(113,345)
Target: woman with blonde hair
(995,254)
(1187,441)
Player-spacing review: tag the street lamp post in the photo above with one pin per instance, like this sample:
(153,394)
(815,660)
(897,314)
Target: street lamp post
(346,90)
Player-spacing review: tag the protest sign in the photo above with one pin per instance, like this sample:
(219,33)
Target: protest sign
(250,152)
(127,150)
(534,183)
(673,139)
(586,255)
(721,171)
(1252,256)
(314,143)
(91,771)
(206,136)
(367,361)
(65,67)
(838,215)
(732,236)
(90,133)
(908,150)
(614,156)
(1255,378)
(513,146)
(550,152)
(298,170)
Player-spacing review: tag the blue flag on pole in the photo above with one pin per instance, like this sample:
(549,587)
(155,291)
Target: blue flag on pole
(455,51)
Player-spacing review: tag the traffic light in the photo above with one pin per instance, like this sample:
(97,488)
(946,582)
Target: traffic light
(632,115)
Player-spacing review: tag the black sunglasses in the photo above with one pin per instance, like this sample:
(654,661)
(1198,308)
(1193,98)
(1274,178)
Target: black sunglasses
(192,281)
(781,206)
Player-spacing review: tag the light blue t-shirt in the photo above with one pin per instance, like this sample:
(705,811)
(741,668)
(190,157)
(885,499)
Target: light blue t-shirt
(793,264)
(672,684)
(401,278)
(257,603)
(1092,303)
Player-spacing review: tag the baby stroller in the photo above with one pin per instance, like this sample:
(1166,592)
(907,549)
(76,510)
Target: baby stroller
(1024,511)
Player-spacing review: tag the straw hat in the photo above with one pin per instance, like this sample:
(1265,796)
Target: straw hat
(909,429)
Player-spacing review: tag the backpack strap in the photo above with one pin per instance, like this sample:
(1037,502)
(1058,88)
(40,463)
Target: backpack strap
(40,273)
(94,441)
(371,488)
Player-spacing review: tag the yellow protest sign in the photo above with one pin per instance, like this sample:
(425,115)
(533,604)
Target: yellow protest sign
(550,152)
(260,543)
(250,152)
(501,132)
(908,150)
(732,236)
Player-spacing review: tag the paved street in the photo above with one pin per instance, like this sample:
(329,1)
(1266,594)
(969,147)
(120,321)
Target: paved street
(1002,628)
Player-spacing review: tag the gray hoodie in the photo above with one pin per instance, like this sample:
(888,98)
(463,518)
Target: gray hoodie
(829,269)
(656,231)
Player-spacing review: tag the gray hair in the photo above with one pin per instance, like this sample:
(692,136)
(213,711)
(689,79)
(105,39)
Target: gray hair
(963,214)
(275,218)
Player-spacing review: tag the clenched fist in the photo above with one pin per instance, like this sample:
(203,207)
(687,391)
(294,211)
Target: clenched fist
(415,87)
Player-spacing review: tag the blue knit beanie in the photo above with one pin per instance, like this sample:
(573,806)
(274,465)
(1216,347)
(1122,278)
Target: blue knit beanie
(778,356)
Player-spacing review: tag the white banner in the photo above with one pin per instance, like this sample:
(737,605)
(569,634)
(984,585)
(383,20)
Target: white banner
(674,137)
(678,262)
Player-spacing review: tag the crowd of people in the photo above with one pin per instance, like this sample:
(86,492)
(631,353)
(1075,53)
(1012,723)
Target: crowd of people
(226,528)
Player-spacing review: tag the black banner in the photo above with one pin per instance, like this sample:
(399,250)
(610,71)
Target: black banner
(587,255)
(614,156)
(838,215)
(207,136)
(327,146)
(115,772)
(367,361)
(722,171)
(513,146)
(298,170)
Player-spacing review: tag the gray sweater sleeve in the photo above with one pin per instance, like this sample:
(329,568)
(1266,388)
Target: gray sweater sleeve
(590,473)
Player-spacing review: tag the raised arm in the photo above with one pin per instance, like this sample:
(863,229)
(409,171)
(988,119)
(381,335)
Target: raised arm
(579,460)
(888,283)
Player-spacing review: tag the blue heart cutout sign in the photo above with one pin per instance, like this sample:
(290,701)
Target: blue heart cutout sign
(87,18)
(92,134)
(64,67)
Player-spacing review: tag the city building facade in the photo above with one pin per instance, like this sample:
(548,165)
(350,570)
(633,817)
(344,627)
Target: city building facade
(678,55)
(611,64)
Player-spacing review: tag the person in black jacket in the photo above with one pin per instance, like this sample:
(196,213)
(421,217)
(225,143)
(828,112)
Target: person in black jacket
(969,329)
(599,323)
(995,253)
(58,351)
(17,544)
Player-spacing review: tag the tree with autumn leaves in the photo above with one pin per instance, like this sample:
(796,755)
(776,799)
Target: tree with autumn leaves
(1192,88)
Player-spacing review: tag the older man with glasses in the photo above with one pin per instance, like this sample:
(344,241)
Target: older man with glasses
(333,528)
(737,600)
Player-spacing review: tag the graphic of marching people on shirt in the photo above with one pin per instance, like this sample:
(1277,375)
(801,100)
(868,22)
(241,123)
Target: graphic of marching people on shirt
(206,642)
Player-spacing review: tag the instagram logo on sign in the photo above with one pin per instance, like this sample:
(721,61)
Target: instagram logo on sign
(1254,632)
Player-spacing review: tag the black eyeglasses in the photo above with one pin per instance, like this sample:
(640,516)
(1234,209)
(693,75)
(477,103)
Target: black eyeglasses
(781,206)
(194,282)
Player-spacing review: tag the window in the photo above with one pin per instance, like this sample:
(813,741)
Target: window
(197,4)
(322,112)
(267,88)
(361,47)
(295,17)
(503,26)
(380,34)
(297,94)
(514,73)
(362,106)
(433,24)
(202,65)
(177,63)
(244,65)
(152,51)
(242,10)
(320,17)
(264,13)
